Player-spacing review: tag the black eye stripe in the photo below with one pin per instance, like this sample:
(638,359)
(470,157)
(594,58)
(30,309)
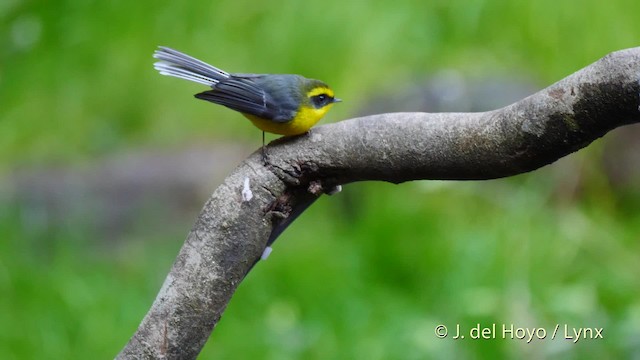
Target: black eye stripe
(321,100)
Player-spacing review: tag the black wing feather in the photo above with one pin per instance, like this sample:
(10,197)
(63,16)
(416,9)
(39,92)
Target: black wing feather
(242,95)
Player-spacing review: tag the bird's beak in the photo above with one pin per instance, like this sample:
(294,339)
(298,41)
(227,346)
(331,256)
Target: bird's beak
(335,100)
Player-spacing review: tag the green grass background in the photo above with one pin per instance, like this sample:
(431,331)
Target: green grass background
(367,274)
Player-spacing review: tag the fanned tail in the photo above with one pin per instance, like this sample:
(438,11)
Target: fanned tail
(174,63)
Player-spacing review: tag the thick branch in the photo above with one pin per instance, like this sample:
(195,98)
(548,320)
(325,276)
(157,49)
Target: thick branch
(232,232)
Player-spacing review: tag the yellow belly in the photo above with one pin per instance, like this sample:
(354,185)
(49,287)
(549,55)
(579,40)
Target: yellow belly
(306,118)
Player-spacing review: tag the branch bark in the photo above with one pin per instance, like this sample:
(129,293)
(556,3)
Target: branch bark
(234,228)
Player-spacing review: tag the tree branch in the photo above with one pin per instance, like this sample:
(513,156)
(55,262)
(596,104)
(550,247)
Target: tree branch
(234,228)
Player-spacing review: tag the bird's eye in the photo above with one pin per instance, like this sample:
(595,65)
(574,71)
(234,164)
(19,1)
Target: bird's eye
(321,100)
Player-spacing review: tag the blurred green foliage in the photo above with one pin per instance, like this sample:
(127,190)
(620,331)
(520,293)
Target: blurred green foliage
(365,275)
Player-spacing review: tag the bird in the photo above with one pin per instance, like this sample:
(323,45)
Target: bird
(284,104)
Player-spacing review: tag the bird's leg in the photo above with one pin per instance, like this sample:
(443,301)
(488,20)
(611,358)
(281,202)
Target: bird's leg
(264,151)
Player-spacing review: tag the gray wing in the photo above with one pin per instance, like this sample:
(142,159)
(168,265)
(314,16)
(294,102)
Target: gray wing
(243,95)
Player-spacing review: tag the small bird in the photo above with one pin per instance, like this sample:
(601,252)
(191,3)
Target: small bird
(282,104)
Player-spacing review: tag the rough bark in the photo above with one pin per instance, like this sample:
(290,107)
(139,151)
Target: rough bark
(232,230)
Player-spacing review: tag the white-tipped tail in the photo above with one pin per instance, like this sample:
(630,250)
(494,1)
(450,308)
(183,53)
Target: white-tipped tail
(180,65)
